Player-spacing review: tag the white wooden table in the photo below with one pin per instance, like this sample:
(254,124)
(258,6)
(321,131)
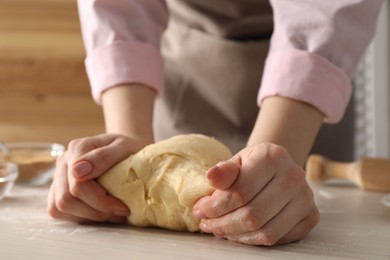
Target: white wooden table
(354,225)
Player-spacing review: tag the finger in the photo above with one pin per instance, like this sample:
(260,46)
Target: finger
(250,217)
(269,234)
(93,195)
(287,226)
(224,174)
(255,173)
(221,176)
(197,209)
(266,205)
(57,214)
(302,229)
(113,219)
(92,164)
(69,207)
(80,146)
(54,212)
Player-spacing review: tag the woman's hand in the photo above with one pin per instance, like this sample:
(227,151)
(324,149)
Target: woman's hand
(74,194)
(262,198)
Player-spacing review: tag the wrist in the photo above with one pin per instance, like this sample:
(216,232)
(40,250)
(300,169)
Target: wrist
(289,123)
(128,110)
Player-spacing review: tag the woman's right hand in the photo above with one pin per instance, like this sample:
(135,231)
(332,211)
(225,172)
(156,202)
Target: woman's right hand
(74,194)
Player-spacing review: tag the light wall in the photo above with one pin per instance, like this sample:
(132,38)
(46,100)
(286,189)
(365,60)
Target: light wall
(372,94)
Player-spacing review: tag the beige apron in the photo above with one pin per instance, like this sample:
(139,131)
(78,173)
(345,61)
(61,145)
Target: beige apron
(214,53)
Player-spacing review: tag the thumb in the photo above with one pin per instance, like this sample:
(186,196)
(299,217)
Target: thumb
(81,169)
(224,174)
(221,176)
(97,162)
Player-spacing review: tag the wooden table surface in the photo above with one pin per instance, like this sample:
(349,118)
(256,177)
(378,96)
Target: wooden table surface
(354,225)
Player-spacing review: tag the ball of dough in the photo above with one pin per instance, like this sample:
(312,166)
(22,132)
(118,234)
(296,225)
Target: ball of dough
(161,183)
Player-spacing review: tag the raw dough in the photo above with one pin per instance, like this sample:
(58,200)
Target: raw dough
(161,183)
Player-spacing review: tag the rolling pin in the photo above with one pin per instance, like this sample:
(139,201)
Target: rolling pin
(367,173)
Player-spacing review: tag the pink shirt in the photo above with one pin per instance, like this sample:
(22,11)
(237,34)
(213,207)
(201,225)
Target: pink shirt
(315,47)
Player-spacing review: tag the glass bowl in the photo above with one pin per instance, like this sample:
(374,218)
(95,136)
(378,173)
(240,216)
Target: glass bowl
(8,175)
(36,160)
(386,200)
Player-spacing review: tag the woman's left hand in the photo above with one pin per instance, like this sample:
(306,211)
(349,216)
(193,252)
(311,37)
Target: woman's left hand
(261,198)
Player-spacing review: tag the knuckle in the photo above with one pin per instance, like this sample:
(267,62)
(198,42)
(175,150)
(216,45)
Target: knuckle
(296,178)
(274,153)
(309,223)
(270,154)
(210,212)
(240,196)
(215,209)
(52,211)
(82,145)
(314,218)
(102,155)
(216,227)
(63,204)
(269,238)
(251,220)
(308,194)
(74,143)
(122,141)
(218,231)
(75,190)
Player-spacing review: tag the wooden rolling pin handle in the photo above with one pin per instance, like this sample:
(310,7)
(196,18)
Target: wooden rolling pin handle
(367,173)
(319,168)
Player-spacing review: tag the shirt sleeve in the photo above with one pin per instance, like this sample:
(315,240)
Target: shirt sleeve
(122,41)
(315,49)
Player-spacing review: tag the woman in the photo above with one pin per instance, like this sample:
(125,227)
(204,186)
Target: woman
(213,54)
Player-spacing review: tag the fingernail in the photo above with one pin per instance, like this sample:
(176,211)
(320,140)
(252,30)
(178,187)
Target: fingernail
(198,213)
(121,213)
(117,220)
(216,167)
(204,228)
(82,168)
(211,171)
(222,164)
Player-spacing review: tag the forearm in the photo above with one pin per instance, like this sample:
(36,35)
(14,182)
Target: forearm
(288,123)
(128,110)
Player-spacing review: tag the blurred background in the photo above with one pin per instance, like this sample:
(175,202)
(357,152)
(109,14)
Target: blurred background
(45,94)
(372,94)
(44,91)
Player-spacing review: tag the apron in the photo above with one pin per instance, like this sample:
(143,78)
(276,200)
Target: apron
(214,52)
